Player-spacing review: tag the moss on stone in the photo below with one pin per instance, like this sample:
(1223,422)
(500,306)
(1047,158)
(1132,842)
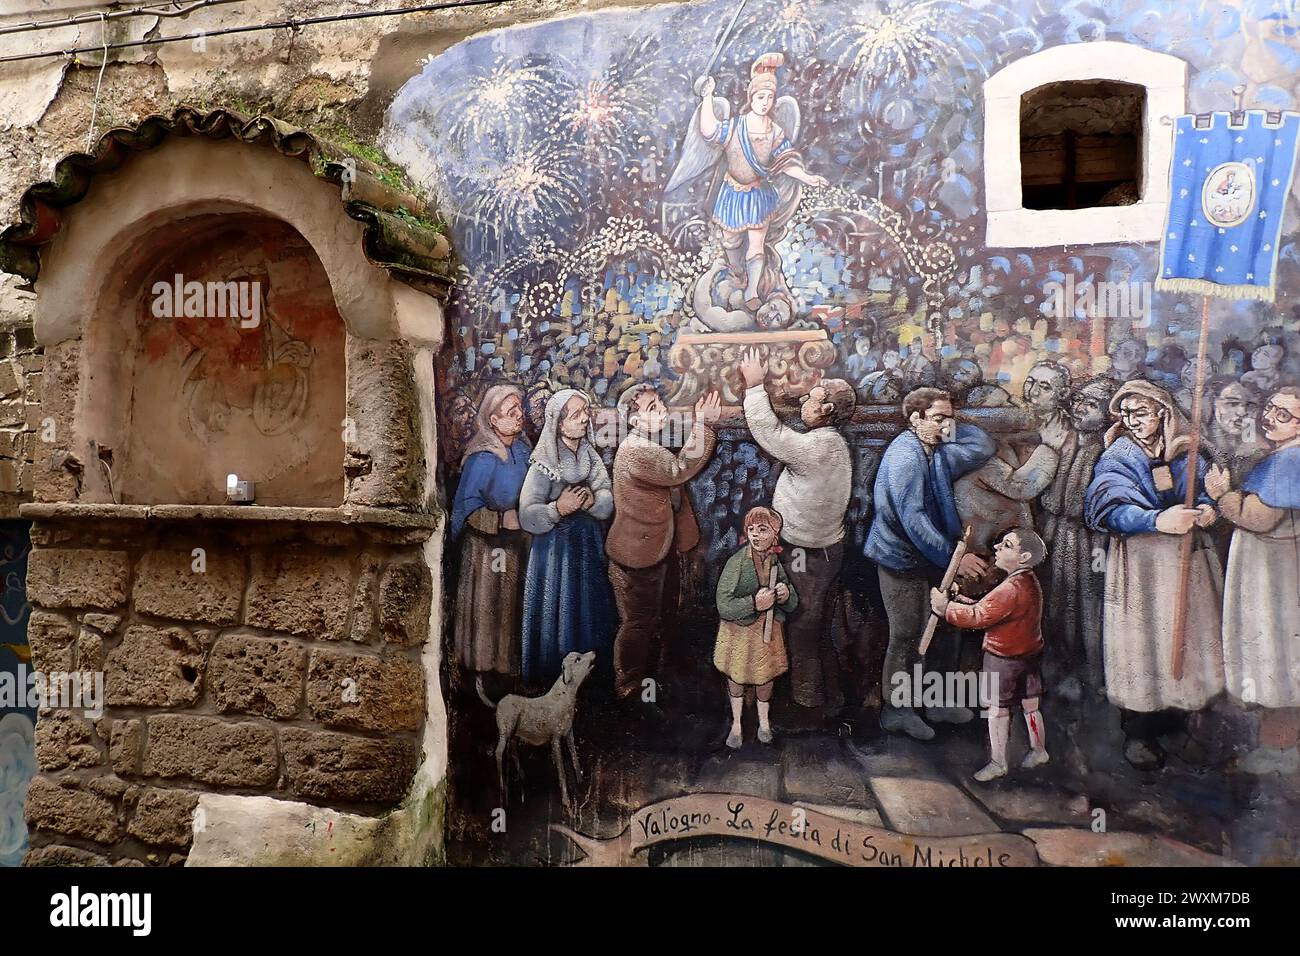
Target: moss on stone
(439,225)
(433,819)
(388,172)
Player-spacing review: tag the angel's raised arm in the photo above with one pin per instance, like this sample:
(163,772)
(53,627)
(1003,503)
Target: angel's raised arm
(708,118)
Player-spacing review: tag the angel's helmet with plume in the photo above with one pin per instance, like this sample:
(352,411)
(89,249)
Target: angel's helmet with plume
(762,83)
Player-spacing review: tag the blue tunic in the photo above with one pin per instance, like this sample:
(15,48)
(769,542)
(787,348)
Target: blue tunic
(488,482)
(1276,480)
(1122,497)
(750,208)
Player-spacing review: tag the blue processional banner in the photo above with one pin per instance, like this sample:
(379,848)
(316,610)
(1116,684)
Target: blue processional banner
(1228,190)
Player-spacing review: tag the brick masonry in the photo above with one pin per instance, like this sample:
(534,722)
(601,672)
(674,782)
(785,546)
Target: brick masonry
(288,666)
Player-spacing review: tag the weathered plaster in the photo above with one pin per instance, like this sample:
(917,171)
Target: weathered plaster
(232,830)
(184,177)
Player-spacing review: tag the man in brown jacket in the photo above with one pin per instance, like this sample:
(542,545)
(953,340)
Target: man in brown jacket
(653,524)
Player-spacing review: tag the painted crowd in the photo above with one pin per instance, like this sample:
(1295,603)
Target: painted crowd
(1071,539)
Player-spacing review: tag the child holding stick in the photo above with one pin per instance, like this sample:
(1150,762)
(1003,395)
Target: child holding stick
(754,596)
(1011,617)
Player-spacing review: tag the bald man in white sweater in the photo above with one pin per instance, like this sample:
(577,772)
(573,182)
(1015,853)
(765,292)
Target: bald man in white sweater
(812,496)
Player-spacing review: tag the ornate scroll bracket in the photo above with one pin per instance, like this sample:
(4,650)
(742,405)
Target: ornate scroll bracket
(796,361)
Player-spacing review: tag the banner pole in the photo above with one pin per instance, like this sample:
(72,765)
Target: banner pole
(1193,463)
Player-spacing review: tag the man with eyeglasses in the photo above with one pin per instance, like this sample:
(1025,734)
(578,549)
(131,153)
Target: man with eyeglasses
(1137,496)
(1261,606)
(912,539)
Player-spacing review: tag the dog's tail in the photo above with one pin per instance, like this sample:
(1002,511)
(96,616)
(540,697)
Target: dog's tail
(482,695)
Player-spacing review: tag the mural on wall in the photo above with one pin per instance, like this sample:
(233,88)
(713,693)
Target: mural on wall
(708,251)
(17,723)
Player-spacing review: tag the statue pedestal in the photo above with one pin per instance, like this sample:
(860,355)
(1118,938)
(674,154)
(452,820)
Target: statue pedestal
(796,361)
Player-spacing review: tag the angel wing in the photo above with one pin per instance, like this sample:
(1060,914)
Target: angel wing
(786,113)
(699,156)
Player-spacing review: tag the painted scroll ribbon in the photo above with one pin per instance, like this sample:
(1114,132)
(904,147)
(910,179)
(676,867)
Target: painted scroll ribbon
(797,828)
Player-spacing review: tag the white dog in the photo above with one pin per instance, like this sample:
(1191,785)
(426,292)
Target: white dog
(542,720)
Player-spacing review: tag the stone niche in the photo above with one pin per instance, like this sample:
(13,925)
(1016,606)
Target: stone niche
(234,364)
(270,670)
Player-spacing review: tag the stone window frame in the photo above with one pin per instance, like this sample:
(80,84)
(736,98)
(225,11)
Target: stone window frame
(1009,224)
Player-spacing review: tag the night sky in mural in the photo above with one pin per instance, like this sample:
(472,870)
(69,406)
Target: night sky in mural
(550,147)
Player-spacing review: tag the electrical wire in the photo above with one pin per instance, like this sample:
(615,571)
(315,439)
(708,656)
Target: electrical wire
(294,24)
(172,8)
(94,105)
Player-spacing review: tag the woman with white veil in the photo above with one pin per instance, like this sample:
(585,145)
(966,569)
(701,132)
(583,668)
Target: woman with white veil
(568,604)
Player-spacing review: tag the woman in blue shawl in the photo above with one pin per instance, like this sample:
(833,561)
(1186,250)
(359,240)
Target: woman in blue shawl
(568,605)
(1261,606)
(1137,496)
(485,516)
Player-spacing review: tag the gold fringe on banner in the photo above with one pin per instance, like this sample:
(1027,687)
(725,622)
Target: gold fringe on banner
(1262,293)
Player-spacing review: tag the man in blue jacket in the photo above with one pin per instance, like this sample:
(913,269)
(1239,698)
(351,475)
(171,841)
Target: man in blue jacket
(915,530)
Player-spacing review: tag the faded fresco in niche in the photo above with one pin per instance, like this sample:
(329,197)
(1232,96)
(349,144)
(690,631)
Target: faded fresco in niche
(238,328)
(718,593)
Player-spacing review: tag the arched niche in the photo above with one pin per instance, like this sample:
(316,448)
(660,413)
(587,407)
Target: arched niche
(219,350)
(134,423)
(326,402)
(183,174)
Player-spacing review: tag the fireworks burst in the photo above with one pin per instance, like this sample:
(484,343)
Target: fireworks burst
(898,39)
(505,98)
(531,185)
(600,115)
(608,111)
(786,25)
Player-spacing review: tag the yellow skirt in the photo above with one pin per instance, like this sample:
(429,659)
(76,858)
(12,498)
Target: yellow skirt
(741,654)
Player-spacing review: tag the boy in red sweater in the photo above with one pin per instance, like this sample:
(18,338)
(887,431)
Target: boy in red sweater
(1011,617)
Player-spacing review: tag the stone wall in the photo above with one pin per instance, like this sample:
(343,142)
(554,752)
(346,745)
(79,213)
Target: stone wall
(267,668)
(21,365)
(287,664)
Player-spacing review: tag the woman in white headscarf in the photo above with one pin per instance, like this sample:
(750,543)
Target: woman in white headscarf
(568,605)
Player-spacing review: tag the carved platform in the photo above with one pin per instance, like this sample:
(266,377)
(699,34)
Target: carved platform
(796,361)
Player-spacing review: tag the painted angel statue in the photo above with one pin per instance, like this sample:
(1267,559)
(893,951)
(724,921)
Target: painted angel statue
(757,177)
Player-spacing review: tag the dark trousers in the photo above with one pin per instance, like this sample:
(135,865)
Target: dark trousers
(907,604)
(646,599)
(814,662)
